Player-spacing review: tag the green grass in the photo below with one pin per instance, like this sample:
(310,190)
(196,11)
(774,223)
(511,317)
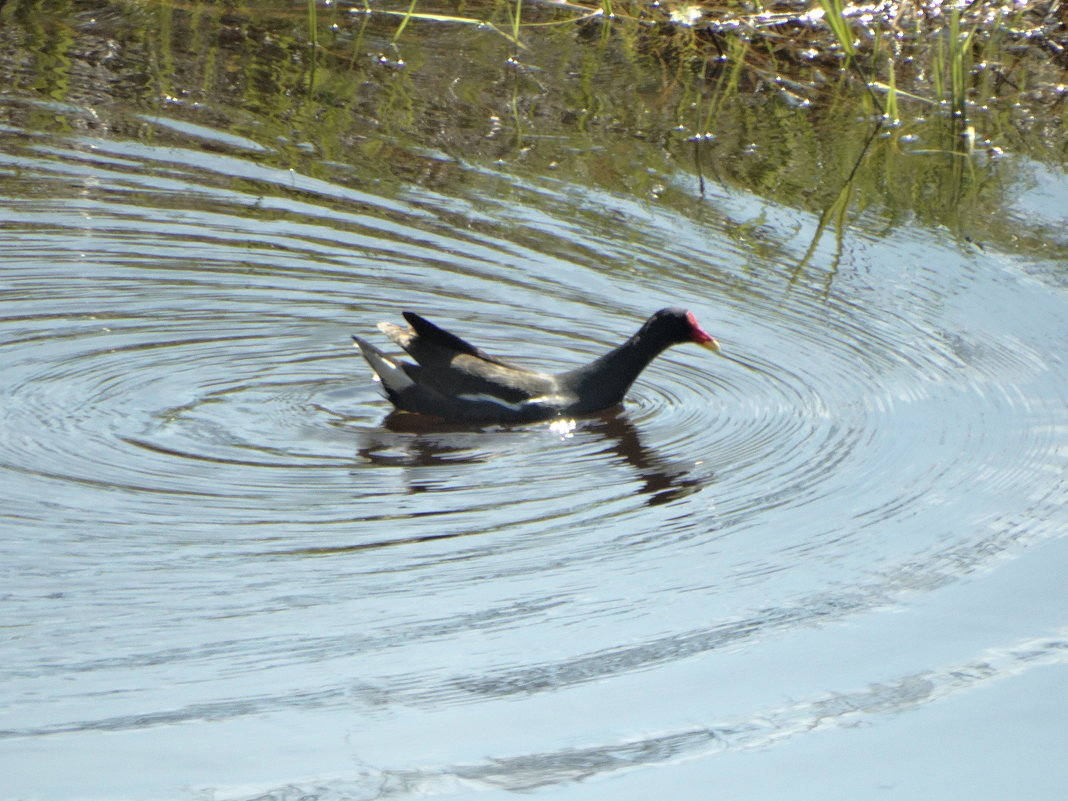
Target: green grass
(834,16)
(411,14)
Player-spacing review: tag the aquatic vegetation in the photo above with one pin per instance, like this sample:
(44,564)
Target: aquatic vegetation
(899,109)
(834,16)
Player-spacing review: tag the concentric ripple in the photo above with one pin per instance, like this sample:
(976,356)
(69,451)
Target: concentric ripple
(211,518)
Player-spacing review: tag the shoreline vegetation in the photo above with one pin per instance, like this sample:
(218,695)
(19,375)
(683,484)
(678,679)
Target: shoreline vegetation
(947,54)
(941,91)
(904,109)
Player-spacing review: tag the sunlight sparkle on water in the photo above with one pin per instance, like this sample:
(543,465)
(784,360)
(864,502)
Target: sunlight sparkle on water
(564,428)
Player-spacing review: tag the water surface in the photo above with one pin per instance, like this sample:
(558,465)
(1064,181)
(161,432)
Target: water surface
(228,573)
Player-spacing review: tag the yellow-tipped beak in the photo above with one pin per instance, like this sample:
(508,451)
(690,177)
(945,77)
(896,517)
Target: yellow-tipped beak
(711,344)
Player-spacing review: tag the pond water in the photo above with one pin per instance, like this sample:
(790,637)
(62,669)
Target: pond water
(227,573)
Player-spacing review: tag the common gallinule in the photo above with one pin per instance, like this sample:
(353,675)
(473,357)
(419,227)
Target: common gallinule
(456,381)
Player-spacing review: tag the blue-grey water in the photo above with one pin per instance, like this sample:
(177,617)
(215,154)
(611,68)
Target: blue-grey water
(226,574)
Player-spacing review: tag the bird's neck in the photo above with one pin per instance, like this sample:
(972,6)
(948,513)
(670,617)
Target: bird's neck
(608,378)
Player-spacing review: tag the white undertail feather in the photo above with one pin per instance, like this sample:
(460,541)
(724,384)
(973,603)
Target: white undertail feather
(386,370)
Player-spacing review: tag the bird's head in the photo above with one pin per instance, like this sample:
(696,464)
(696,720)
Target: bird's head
(678,326)
(699,335)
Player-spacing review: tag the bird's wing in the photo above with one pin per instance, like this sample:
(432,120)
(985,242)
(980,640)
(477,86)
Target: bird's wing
(428,332)
(455,367)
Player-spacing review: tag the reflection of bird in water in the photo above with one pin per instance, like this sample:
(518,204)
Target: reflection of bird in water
(457,382)
(663,479)
(419,441)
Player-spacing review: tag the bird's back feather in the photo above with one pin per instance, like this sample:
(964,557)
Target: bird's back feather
(454,367)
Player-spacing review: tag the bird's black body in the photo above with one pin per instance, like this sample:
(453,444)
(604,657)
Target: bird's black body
(456,381)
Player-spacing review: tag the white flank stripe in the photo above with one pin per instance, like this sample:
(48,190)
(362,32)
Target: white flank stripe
(515,407)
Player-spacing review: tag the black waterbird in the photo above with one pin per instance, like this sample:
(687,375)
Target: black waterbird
(458,382)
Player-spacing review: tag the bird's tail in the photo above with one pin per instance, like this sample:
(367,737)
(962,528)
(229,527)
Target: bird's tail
(389,372)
